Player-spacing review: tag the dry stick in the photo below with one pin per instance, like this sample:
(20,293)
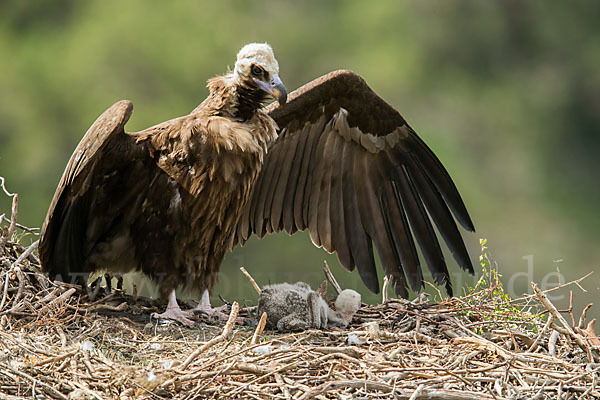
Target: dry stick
(53,391)
(57,358)
(331,278)
(107,307)
(259,328)
(20,259)
(554,288)
(14,213)
(26,253)
(251,279)
(13,217)
(5,291)
(591,333)
(553,311)
(314,362)
(552,342)
(34,231)
(59,301)
(417,392)
(216,374)
(570,309)
(431,394)
(235,308)
(583,315)
(21,278)
(88,364)
(282,386)
(537,340)
(384,289)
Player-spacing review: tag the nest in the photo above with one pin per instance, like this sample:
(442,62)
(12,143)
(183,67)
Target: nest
(55,342)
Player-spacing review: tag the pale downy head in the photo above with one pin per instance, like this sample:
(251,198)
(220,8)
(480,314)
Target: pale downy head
(347,303)
(256,63)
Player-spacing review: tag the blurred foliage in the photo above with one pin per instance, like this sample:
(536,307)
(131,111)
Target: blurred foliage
(506,93)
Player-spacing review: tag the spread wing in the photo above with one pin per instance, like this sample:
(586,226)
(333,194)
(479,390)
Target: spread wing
(106,130)
(348,168)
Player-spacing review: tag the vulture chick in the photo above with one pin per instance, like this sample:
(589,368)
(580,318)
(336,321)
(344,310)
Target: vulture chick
(336,159)
(297,307)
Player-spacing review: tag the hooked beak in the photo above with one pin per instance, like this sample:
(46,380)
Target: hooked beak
(275,88)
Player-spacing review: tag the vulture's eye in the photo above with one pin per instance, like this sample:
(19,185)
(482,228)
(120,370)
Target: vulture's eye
(256,70)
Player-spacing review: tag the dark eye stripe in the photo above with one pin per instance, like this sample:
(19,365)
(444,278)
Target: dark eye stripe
(256,70)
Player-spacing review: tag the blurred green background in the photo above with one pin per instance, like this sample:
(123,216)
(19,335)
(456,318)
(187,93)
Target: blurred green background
(506,93)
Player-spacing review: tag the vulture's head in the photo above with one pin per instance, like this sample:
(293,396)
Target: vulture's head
(256,65)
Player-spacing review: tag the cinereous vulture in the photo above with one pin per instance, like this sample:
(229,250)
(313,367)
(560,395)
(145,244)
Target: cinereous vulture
(332,157)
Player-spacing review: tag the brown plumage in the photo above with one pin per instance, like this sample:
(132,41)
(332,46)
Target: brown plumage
(336,160)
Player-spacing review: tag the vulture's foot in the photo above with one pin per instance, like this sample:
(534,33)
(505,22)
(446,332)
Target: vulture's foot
(95,290)
(204,307)
(176,314)
(216,312)
(108,280)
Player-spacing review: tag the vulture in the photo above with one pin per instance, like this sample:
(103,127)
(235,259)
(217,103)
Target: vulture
(332,157)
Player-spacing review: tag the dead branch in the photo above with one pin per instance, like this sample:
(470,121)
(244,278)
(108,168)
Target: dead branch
(251,279)
(331,278)
(227,329)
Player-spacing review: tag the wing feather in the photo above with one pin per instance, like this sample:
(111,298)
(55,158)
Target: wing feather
(302,192)
(269,169)
(65,222)
(294,184)
(371,214)
(315,177)
(278,186)
(441,215)
(348,168)
(323,221)
(421,226)
(430,164)
(339,240)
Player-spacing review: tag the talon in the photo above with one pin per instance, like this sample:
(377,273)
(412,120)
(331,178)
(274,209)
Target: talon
(175,314)
(108,281)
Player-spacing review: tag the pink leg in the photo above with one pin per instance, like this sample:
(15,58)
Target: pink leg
(205,307)
(175,313)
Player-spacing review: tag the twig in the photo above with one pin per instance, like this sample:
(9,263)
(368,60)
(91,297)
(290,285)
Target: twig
(284,390)
(251,279)
(57,358)
(54,392)
(552,343)
(554,288)
(259,328)
(5,291)
(26,253)
(417,392)
(235,308)
(59,301)
(107,307)
(331,278)
(539,337)
(34,231)
(591,334)
(583,315)
(14,213)
(384,289)
(550,307)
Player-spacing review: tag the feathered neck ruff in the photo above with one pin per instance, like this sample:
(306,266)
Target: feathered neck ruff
(231,96)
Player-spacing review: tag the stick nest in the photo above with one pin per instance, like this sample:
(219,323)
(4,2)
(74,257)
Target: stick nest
(56,343)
